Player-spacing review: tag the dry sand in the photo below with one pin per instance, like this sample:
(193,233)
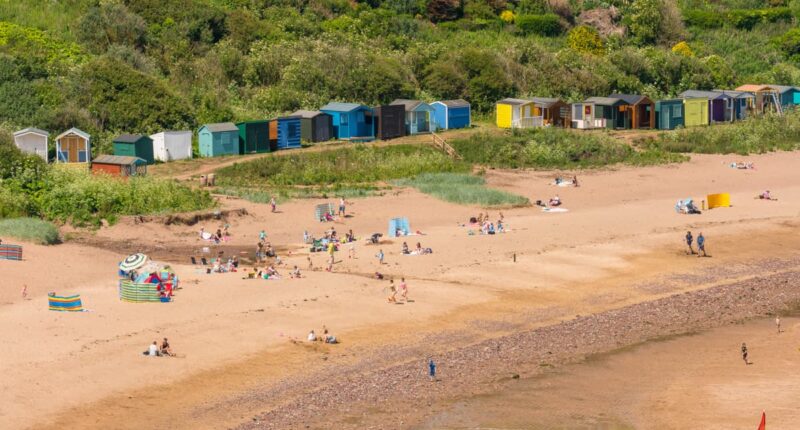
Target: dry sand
(86,370)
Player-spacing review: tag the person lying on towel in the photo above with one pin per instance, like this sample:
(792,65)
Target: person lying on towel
(555,201)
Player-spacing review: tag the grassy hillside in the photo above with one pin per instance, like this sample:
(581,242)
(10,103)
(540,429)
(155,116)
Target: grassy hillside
(146,65)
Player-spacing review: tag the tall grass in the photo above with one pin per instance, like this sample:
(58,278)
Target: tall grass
(282,194)
(462,189)
(79,197)
(30,230)
(754,135)
(358,164)
(554,148)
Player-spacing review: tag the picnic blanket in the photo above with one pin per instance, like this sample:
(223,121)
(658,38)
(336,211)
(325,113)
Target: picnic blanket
(554,210)
(563,184)
(10,252)
(65,303)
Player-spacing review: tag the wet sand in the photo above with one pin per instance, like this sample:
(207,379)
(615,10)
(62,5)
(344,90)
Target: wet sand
(692,381)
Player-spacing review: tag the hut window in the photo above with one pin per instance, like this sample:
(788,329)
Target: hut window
(344,119)
(82,156)
(578,112)
(676,111)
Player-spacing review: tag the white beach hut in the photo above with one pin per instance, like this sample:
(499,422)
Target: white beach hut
(33,141)
(172,145)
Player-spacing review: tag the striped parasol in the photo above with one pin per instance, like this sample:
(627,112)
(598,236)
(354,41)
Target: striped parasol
(133,262)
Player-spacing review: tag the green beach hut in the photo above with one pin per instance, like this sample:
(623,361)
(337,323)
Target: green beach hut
(253,136)
(669,114)
(134,145)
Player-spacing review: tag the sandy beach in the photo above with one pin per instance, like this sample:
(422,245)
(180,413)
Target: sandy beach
(246,364)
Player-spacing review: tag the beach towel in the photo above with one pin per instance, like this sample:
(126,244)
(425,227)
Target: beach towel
(65,304)
(563,184)
(10,252)
(206,235)
(552,210)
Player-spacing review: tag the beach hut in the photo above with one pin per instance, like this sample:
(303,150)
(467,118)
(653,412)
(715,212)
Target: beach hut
(548,111)
(720,104)
(514,113)
(33,141)
(451,114)
(669,114)
(638,112)
(390,121)
(419,116)
(119,165)
(253,136)
(73,146)
(765,98)
(695,112)
(604,112)
(288,132)
(218,139)
(788,95)
(587,116)
(172,145)
(315,126)
(134,145)
(741,101)
(351,121)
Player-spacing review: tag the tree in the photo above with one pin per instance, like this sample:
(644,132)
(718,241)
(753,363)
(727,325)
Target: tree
(111,24)
(721,72)
(585,40)
(643,19)
(444,10)
(444,80)
(789,44)
(484,90)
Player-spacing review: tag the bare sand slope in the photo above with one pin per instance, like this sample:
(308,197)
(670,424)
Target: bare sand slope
(621,226)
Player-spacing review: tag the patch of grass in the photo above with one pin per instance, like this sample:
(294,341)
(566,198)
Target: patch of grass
(283,194)
(30,230)
(751,136)
(356,165)
(552,148)
(462,189)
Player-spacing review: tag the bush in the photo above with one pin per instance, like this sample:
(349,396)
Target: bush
(543,25)
(744,19)
(789,43)
(30,230)
(462,189)
(703,18)
(682,48)
(586,40)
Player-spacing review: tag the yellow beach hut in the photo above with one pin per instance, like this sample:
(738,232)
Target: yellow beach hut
(695,112)
(511,111)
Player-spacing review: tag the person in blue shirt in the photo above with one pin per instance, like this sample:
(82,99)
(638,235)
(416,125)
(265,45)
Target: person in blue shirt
(701,245)
(432,369)
(689,239)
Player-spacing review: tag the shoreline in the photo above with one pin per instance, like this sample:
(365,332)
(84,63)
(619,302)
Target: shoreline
(486,366)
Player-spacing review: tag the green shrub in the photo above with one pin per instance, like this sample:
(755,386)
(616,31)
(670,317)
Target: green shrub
(30,230)
(703,18)
(462,189)
(789,43)
(543,25)
(744,19)
(586,40)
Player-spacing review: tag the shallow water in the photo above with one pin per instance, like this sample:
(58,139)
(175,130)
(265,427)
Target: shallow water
(692,381)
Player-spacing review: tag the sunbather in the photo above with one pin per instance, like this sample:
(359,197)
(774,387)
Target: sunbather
(405,248)
(766,196)
(555,201)
(295,273)
(165,348)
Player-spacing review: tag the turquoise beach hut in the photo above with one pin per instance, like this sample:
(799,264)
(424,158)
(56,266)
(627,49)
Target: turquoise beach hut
(669,114)
(218,139)
(419,116)
(351,121)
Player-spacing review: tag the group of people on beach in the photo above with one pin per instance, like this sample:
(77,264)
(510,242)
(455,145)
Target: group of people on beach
(701,244)
(163,351)
(394,290)
(324,337)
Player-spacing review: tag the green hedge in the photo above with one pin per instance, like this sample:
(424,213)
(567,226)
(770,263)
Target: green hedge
(744,19)
(543,25)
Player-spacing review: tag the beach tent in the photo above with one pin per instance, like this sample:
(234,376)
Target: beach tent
(400,224)
(172,145)
(134,145)
(321,210)
(65,303)
(10,252)
(33,141)
(450,114)
(722,200)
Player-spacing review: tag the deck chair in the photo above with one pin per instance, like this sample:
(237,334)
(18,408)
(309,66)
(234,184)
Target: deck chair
(205,262)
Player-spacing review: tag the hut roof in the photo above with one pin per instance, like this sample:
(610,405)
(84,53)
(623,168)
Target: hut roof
(119,160)
(630,99)
(512,101)
(31,130)
(784,88)
(454,103)
(604,101)
(128,138)
(221,126)
(544,102)
(754,88)
(342,107)
(74,130)
(306,114)
(698,94)
(410,105)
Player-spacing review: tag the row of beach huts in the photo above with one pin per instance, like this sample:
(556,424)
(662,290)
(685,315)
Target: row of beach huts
(359,123)
(343,121)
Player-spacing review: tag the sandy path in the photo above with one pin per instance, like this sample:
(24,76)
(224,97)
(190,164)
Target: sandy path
(218,321)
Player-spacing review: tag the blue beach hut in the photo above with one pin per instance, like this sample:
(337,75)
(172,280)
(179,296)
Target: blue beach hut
(218,139)
(289,132)
(450,114)
(351,121)
(419,116)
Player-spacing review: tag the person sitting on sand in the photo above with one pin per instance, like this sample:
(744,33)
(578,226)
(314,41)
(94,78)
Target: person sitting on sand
(152,351)
(295,273)
(404,289)
(379,276)
(500,226)
(405,248)
(165,348)
(491,228)
(270,252)
(766,196)
(218,236)
(328,217)
(271,271)
(555,201)
(312,337)
(558,180)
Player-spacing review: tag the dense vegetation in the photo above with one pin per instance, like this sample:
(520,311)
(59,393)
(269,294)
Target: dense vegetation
(116,66)
(30,230)
(555,148)
(31,188)
(462,189)
(753,136)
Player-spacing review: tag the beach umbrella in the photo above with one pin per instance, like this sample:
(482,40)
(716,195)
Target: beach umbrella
(133,262)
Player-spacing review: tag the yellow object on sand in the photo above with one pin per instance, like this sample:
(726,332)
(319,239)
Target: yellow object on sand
(722,200)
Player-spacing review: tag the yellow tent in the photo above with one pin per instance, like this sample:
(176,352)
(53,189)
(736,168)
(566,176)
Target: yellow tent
(722,200)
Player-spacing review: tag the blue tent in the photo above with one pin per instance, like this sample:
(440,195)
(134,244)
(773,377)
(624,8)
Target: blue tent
(399,224)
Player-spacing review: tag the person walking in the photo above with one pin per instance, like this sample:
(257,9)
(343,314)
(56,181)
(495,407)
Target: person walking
(341,207)
(701,245)
(404,289)
(689,240)
(778,323)
(273,204)
(380,256)
(744,353)
(392,292)
(331,258)
(431,369)
(262,236)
